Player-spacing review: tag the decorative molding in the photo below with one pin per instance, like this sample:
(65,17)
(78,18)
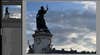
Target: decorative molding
(41,33)
(11,23)
(11,2)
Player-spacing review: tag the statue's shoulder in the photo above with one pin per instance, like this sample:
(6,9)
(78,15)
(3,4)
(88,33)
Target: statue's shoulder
(40,10)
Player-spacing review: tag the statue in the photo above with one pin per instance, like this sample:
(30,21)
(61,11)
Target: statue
(30,48)
(41,25)
(6,11)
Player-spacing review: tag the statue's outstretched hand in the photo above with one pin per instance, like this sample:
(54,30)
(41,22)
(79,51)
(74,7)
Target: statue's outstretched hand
(47,7)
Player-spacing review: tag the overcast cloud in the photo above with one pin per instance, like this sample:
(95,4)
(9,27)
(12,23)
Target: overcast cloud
(73,24)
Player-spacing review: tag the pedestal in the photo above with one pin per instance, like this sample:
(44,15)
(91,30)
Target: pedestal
(42,41)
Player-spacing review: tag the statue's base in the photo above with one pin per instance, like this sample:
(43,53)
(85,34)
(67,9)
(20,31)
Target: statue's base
(42,41)
(42,33)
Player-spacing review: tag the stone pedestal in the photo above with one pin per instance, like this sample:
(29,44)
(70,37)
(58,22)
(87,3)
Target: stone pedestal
(42,41)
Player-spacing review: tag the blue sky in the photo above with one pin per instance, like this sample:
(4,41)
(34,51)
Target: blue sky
(73,24)
(53,5)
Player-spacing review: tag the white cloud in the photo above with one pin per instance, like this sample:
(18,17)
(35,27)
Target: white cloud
(92,37)
(18,6)
(73,30)
(16,15)
(73,35)
(88,4)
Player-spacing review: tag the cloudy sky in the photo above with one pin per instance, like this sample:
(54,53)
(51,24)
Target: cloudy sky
(73,24)
(14,10)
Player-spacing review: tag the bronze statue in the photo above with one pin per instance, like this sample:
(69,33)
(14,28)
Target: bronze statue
(6,11)
(41,25)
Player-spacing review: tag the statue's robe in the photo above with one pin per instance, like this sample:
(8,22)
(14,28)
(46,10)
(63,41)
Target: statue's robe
(40,20)
(6,11)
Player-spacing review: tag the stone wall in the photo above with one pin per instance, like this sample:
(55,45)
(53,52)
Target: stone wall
(11,36)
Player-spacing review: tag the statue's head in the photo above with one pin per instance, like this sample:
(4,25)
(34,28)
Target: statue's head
(42,7)
(6,7)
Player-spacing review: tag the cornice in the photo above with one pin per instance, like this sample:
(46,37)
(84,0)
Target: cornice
(11,23)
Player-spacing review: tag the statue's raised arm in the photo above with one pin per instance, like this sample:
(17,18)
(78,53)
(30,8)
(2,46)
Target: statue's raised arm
(47,7)
(42,11)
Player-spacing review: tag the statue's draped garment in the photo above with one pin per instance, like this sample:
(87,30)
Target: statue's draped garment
(6,11)
(40,20)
